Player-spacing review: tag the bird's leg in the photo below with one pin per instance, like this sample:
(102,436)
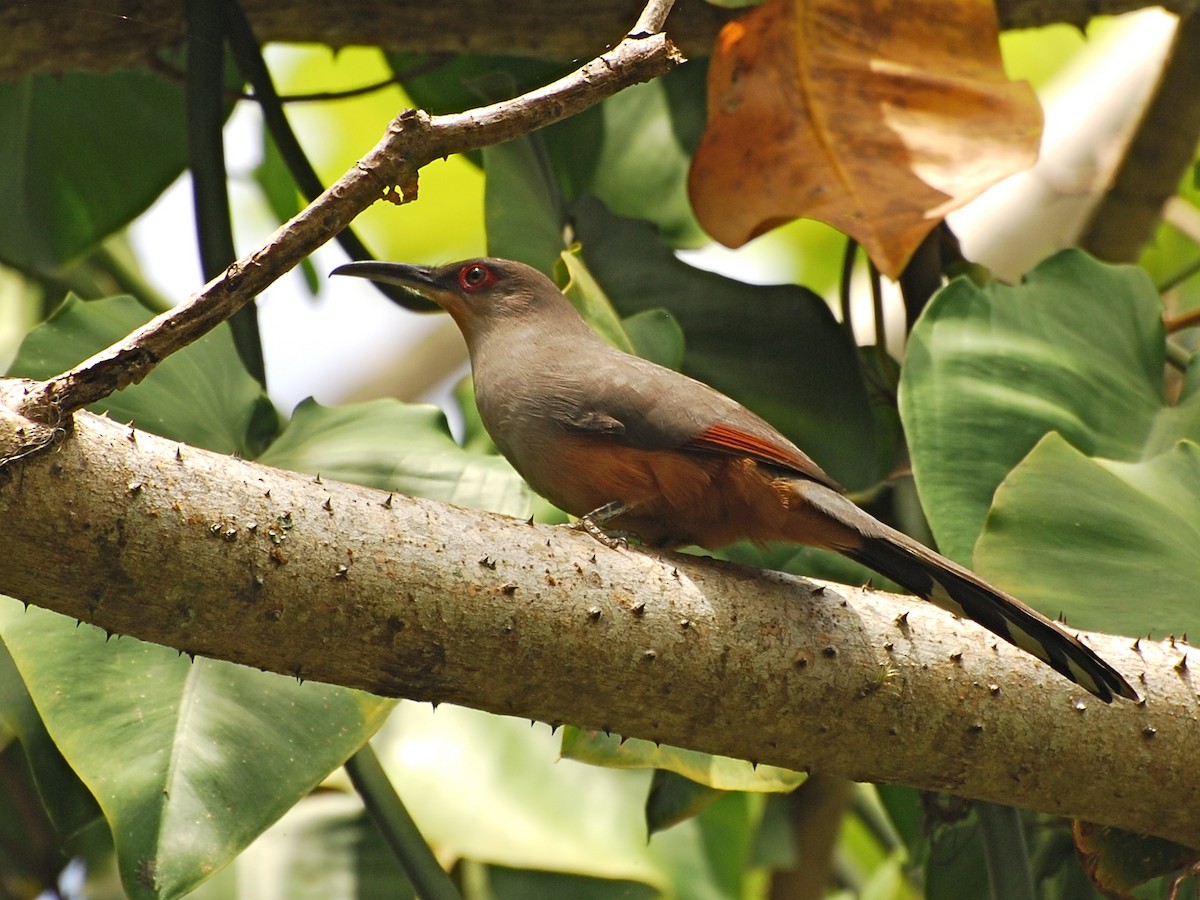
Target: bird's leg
(594,521)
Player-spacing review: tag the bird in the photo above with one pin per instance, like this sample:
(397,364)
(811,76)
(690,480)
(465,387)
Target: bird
(633,448)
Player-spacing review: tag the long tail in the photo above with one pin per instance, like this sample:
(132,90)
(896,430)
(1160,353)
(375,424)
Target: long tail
(941,581)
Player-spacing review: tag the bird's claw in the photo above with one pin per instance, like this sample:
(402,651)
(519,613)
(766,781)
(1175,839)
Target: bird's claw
(590,526)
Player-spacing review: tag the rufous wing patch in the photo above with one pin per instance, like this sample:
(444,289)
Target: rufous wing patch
(727,439)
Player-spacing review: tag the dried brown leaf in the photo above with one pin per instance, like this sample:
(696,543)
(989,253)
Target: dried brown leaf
(876,117)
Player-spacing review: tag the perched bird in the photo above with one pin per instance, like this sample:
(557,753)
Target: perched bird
(626,444)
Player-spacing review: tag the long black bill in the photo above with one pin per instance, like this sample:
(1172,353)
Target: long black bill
(412,279)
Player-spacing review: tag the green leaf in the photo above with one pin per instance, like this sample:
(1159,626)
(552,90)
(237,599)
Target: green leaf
(571,272)
(65,798)
(523,208)
(674,799)
(1078,349)
(397,447)
(526,809)
(632,151)
(463,81)
(776,349)
(1003,836)
(82,154)
(201,395)
(326,846)
(720,772)
(522,884)
(188,760)
(1077,535)
(656,335)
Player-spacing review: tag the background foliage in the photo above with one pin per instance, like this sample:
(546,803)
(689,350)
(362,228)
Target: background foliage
(1047,444)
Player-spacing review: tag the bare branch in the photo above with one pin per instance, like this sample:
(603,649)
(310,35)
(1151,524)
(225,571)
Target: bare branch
(101,35)
(412,598)
(389,171)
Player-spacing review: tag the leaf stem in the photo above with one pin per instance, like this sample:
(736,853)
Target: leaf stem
(379,796)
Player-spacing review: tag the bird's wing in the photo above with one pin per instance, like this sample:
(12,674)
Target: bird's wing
(774,450)
(661,409)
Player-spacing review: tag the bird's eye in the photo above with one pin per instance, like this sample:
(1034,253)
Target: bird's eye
(475,277)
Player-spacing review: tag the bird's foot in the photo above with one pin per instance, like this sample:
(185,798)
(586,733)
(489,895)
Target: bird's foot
(594,521)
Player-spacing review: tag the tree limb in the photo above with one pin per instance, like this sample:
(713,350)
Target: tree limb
(102,35)
(337,583)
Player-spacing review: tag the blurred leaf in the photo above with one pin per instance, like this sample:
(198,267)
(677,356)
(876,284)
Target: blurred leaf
(776,349)
(632,151)
(521,884)
(522,205)
(201,395)
(475,438)
(892,119)
(656,336)
(1074,535)
(67,801)
(397,447)
(188,760)
(956,867)
(903,807)
(1003,836)
(571,273)
(527,809)
(1078,348)
(1119,861)
(456,83)
(324,847)
(674,799)
(82,154)
(30,859)
(719,772)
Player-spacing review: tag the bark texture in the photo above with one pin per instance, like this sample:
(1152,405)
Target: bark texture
(337,583)
(114,34)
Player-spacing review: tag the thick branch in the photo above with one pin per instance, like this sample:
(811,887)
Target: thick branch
(411,598)
(101,35)
(390,170)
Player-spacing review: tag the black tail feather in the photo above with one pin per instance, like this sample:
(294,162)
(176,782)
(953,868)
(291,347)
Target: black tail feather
(949,585)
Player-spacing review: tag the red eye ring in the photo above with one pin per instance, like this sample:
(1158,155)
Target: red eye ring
(476,277)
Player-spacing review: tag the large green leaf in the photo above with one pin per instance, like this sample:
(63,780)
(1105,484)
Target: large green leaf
(398,447)
(188,760)
(1077,349)
(633,151)
(82,154)
(201,395)
(523,208)
(66,800)
(491,789)
(777,349)
(1083,536)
